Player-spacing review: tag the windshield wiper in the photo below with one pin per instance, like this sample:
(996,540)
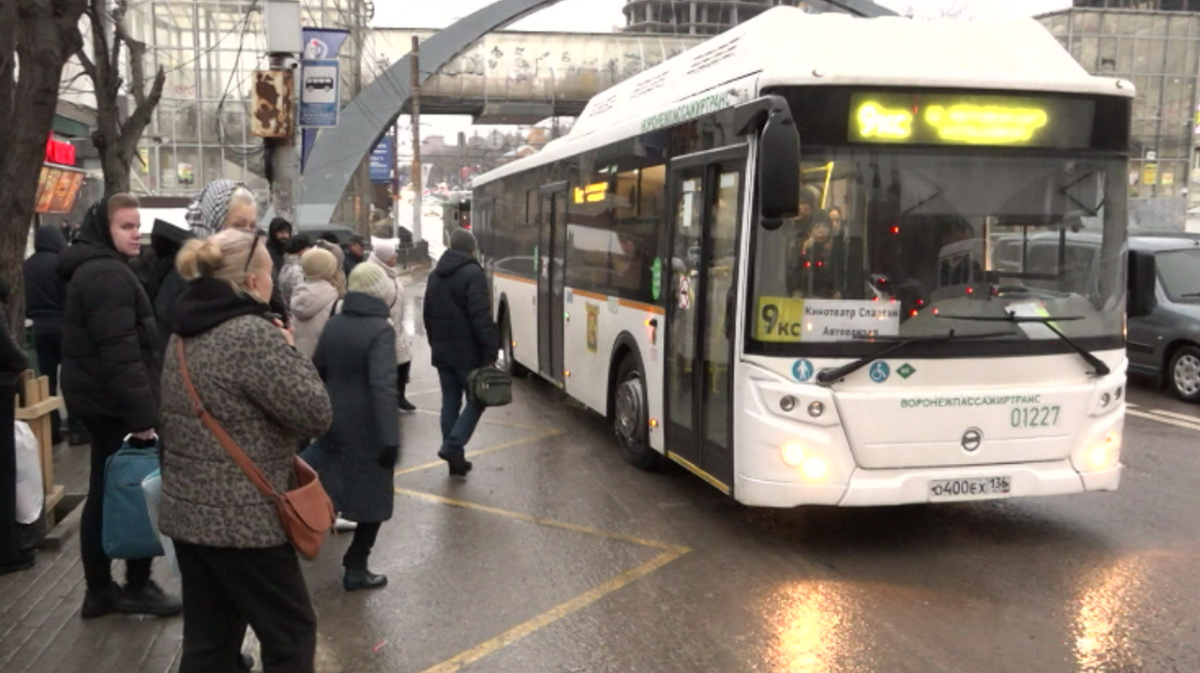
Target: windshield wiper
(1102,369)
(830,376)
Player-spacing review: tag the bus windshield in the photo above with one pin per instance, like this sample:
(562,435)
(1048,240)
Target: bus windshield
(889,240)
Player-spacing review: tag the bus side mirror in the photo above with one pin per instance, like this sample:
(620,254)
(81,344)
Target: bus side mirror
(1143,281)
(779,169)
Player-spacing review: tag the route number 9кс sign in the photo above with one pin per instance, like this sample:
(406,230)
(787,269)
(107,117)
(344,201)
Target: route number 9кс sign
(789,320)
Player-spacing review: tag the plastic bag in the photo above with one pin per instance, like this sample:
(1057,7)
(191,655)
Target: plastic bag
(152,487)
(31,496)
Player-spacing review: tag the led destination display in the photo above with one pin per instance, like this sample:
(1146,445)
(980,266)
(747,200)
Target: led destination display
(956,119)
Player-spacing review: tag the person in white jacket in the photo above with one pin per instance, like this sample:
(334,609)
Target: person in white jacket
(316,299)
(384,255)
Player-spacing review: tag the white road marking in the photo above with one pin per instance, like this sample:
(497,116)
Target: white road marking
(1193,425)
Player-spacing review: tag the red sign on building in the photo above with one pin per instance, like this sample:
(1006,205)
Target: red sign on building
(58,152)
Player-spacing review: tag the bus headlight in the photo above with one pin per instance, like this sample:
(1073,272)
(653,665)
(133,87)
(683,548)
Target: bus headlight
(792,454)
(815,468)
(1104,455)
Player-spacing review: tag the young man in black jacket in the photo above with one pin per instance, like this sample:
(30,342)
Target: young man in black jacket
(13,361)
(109,381)
(463,337)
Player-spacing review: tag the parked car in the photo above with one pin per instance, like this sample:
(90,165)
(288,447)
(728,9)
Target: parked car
(1164,311)
(315,231)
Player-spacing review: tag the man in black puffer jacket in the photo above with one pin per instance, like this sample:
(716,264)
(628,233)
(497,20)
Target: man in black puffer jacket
(463,337)
(44,305)
(108,381)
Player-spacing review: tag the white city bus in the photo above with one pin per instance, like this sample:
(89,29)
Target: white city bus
(672,263)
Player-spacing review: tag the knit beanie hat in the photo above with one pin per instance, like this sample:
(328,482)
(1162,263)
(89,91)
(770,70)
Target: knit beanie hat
(463,240)
(384,249)
(370,279)
(319,264)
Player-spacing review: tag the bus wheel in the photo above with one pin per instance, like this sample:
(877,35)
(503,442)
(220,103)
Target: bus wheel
(629,417)
(506,361)
(1184,373)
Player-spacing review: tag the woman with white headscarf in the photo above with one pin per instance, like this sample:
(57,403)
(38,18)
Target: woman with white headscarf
(384,255)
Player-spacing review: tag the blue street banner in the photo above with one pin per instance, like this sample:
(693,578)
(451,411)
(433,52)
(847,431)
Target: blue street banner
(320,84)
(382,158)
(323,43)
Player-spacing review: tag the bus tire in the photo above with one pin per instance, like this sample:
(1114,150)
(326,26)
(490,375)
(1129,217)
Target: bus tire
(630,421)
(507,363)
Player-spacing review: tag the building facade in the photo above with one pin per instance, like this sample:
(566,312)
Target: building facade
(695,17)
(1159,52)
(209,50)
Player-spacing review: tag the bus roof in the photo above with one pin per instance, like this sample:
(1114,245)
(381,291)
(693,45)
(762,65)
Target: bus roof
(788,46)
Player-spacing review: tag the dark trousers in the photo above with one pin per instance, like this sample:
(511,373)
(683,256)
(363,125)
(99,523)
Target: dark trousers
(10,543)
(360,547)
(224,590)
(49,357)
(458,421)
(402,372)
(108,435)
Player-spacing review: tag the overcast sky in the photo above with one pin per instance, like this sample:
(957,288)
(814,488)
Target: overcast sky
(604,15)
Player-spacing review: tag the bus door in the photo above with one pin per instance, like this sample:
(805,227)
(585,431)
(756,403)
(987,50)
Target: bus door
(707,193)
(552,250)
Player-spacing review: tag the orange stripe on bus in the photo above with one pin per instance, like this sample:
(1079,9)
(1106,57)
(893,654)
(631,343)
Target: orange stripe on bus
(590,295)
(518,279)
(649,308)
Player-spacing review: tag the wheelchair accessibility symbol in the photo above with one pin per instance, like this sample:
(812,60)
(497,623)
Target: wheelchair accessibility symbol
(880,371)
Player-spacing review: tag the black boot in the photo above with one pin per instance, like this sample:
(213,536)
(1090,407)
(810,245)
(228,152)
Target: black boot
(357,579)
(24,561)
(78,438)
(458,467)
(100,602)
(405,405)
(149,599)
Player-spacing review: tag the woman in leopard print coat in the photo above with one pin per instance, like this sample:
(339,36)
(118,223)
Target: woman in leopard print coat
(235,561)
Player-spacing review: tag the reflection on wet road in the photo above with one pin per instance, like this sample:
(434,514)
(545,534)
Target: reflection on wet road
(555,555)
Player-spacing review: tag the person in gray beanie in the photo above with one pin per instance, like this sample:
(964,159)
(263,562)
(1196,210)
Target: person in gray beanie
(463,337)
(356,357)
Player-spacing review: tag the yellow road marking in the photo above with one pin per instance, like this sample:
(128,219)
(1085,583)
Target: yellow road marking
(542,521)
(554,614)
(492,449)
(486,421)
(1163,419)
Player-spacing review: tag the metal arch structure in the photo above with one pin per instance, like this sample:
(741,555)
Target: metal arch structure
(339,151)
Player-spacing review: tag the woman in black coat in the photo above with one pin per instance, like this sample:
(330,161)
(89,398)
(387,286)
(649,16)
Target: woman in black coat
(109,382)
(13,361)
(356,358)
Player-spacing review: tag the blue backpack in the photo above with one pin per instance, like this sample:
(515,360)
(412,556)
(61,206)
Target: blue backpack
(126,531)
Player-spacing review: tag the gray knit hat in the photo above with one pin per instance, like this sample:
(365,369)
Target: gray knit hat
(463,240)
(370,279)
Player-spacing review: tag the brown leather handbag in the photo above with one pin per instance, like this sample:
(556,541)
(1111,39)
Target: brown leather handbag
(306,512)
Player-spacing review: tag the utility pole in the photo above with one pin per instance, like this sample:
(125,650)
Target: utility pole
(416,137)
(284,45)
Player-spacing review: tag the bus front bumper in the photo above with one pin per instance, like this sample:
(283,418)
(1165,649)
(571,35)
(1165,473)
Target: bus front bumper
(872,488)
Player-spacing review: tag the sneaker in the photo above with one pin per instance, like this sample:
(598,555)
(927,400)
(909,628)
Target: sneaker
(24,561)
(357,579)
(344,525)
(100,602)
(148,600)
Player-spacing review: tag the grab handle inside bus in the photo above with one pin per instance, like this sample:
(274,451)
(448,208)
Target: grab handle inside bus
(778,165)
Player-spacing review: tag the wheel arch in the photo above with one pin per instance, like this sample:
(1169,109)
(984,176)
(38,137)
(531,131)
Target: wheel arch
(624,346)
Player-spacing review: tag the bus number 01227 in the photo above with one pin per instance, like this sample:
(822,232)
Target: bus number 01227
(1034,417)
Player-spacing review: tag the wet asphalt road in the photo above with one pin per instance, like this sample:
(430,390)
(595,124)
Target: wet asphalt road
(556,556)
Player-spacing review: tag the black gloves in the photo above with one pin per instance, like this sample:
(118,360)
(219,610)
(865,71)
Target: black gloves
(388,458)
